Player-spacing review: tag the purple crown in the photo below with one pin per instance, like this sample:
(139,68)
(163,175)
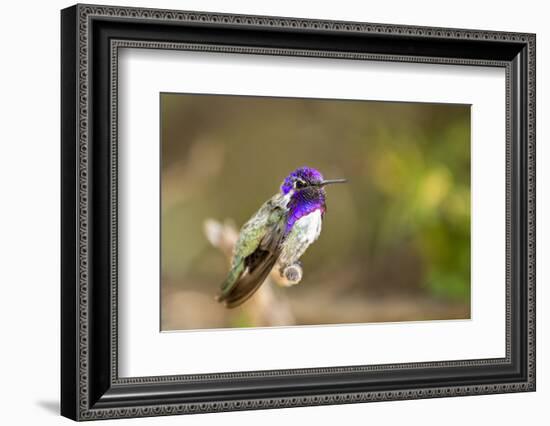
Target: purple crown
(307,174)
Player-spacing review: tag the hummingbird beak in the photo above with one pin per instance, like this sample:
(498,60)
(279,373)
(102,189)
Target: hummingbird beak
(331,181)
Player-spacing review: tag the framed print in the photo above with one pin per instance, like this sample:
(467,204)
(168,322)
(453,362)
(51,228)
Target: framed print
(263,212)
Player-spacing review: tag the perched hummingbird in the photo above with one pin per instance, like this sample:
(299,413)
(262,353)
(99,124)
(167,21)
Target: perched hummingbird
(279,233)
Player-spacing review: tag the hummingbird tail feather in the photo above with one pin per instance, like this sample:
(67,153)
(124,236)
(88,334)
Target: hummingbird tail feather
(249,283)
(230,281)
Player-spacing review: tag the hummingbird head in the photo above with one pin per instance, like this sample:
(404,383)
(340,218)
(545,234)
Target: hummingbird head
(305,187)
(306,179)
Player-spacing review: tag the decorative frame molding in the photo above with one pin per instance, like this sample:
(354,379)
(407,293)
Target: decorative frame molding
(91,37)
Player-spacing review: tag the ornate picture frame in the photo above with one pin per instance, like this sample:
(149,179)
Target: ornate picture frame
(91,37)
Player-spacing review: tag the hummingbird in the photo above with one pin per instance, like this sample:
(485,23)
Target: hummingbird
(279,233)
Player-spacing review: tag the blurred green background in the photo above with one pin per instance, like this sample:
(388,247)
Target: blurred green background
(395,244)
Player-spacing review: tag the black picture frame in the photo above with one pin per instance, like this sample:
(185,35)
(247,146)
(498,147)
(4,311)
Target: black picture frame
(90,386)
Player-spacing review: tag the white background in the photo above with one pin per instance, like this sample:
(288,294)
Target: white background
(29,225)
(146,352)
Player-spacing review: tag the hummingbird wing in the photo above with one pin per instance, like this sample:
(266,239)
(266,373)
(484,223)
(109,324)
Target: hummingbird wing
(250,281)
(256,252)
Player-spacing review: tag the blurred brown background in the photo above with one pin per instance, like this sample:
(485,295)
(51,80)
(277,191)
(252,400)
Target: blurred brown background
(395,244)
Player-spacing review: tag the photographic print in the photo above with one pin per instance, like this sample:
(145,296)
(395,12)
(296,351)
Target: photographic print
(294,211)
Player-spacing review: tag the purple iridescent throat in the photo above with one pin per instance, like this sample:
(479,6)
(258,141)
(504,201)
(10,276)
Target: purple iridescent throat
(303,201)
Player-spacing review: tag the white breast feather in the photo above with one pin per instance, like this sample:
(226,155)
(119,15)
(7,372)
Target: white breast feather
(312,225)
(304,232)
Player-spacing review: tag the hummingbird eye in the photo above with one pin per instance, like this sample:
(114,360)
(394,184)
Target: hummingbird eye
(299,183)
